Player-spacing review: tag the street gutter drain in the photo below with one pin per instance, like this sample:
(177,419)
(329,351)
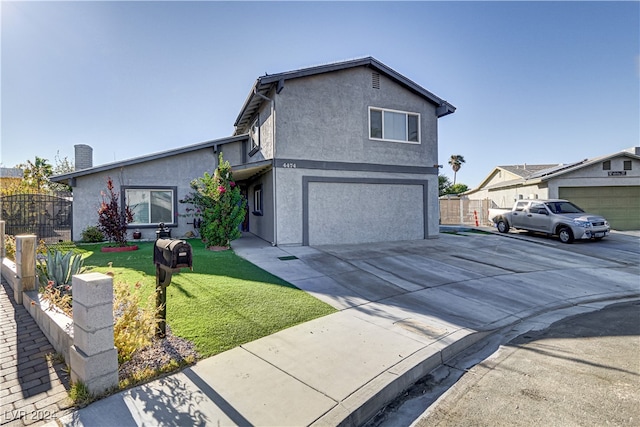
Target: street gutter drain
(287,258)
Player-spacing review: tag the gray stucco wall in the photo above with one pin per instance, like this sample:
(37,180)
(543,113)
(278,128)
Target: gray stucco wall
(262,226)
(290,214)
(326,117)
(176,171)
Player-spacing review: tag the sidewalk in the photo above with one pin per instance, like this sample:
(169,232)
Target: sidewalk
(33,390)
(405,308)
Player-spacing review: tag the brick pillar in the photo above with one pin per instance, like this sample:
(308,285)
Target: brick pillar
(94,358)
(3,252)
(25,265)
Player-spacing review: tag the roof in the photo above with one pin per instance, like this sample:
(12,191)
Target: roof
(525,171)
(147,158)
(11,173)
(264,84)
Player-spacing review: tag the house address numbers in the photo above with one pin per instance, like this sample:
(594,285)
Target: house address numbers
(289,165)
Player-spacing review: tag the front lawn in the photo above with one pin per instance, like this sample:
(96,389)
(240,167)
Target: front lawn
(224,302)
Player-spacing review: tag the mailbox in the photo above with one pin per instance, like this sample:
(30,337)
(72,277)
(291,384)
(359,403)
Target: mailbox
(172,254)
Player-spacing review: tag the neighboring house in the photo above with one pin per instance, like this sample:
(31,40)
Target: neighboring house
(339,153)
(607,185)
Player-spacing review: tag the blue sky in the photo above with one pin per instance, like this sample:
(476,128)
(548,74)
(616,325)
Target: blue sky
(534,82)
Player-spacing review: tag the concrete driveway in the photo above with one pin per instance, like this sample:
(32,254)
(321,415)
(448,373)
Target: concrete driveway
(406,308)
(454,291)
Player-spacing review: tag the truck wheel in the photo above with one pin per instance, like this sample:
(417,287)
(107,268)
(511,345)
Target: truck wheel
(565,234)
(503,227)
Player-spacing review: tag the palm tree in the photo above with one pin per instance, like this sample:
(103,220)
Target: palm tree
(37,174)
(456,161)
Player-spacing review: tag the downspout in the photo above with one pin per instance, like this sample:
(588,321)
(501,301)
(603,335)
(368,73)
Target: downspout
(272,103)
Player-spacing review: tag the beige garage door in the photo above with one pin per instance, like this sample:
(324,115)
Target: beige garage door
(620,205)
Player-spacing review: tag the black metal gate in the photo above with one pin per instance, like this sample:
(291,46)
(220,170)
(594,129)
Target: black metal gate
(48,217)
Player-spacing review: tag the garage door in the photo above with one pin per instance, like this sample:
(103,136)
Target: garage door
(619,205)
(361,212)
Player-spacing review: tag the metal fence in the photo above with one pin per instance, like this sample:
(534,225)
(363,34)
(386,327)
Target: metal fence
(48,217)
(462,211)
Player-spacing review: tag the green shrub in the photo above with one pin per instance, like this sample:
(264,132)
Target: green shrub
(220,203)
(92,234)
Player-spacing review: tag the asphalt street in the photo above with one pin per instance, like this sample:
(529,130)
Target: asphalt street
(582,370)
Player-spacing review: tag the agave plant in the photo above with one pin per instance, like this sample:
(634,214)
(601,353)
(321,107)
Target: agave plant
(59,268)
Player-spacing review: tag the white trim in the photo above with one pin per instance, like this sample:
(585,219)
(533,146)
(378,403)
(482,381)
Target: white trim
(407,114)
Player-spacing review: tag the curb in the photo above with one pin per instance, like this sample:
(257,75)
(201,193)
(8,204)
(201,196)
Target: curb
(374,396)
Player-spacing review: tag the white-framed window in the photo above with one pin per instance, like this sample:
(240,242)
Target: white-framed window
(254,136)
(151,205)
(394,125)
(257,200)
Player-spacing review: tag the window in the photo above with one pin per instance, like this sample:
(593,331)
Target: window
(391,125)
(257,200)
(606,165)
(537,208)
(151,206)
(627,165)
(254,136)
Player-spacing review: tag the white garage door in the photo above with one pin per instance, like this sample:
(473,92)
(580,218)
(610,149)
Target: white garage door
(346,212)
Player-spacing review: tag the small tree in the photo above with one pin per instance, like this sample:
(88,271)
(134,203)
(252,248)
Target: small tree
(111,219)
(220,203)
(444,183)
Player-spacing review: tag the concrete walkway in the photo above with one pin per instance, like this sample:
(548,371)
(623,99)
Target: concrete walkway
(405,307)
(33,388)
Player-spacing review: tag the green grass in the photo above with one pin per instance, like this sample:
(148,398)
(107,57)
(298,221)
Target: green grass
(224,302)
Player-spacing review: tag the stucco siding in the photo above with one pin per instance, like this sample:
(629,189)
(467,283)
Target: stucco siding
(176,171)
(594,176)
(326,117)
(262,225)
(505,197)
(291,210)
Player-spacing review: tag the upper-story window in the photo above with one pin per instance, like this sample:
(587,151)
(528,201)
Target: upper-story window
(626,165)
(393,125)
(151,206)
(606,165)
(254,136)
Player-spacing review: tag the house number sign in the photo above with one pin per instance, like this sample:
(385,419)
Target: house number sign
(289,165)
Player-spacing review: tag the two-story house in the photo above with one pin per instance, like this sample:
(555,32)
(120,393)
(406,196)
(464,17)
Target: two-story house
(339,153)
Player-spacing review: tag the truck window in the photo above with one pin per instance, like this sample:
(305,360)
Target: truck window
(520,206)
(563,207)
(537,208)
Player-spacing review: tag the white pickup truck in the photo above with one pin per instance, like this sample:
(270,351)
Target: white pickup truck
(552,217)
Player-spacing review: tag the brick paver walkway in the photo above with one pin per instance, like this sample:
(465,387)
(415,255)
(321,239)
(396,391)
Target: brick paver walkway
(33,390)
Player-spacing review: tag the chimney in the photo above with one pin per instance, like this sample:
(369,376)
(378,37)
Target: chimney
(84,156)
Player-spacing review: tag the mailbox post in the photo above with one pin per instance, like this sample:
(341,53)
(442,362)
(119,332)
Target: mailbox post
(169,256)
